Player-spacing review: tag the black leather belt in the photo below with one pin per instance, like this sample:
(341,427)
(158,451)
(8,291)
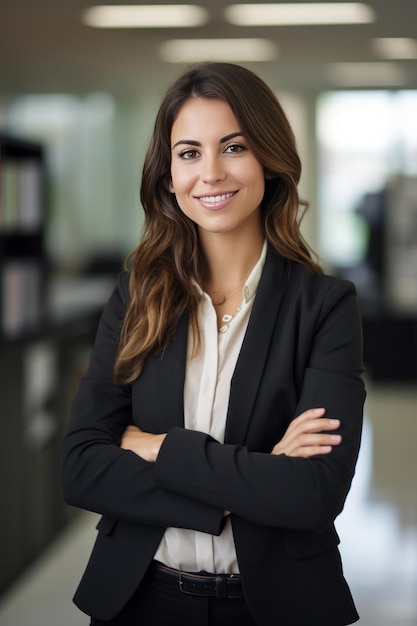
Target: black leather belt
(209,585)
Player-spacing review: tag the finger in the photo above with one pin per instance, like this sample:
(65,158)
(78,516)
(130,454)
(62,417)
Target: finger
(321,425)
(309,451)
(309,414)
(305,443)
(306,418)
(316,425)
(319,440)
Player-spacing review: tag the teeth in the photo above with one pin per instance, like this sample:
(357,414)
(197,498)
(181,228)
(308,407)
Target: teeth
(213,199)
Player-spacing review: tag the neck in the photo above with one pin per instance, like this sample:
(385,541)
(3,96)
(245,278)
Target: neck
(230,261)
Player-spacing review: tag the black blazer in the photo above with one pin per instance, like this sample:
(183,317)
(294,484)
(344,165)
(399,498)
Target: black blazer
(302,349)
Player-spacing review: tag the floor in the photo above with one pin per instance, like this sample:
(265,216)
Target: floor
(378,530)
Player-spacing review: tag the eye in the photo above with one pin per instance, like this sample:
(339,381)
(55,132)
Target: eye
(235,148)
(189,155)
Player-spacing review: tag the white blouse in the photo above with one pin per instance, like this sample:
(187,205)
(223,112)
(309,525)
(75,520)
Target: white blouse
(206,398)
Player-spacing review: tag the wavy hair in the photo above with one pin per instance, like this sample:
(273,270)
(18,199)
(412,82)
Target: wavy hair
(168,262)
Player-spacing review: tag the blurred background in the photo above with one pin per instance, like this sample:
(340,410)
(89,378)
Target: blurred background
(79,90)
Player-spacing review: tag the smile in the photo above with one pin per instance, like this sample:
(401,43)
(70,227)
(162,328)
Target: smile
(214,199)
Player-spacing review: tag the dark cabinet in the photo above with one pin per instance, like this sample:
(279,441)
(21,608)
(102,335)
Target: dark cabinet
(39,374)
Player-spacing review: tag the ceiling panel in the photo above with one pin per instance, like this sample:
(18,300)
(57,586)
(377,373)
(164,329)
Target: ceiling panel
(45,47)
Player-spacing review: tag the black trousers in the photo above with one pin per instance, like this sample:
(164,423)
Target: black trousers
(158,604)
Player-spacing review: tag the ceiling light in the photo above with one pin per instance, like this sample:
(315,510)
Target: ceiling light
(299,14)
(395,47)
(195,50)
(366,74)
(145,16)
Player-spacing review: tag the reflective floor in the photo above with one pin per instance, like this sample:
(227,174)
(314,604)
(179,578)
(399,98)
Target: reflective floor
(378,527)
(378,530)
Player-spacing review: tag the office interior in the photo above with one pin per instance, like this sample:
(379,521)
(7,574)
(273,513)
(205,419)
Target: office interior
(77,104)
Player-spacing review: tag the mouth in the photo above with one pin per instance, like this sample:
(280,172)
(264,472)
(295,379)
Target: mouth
(214,199)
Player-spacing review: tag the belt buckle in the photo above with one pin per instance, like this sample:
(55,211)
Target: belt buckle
(181,586)
(180,583)
(218,589)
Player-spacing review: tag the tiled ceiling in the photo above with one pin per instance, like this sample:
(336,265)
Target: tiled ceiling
(44,46)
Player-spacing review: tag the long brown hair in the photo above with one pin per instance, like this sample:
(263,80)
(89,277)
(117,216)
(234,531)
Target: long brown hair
(167,263)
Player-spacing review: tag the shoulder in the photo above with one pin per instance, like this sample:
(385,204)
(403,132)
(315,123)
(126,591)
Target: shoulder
(298,281)
(314,285)
(324,306)
(322,297)
(310,299)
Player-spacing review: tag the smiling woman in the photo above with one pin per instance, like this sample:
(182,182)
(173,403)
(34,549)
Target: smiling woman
(217,180)
(218,426)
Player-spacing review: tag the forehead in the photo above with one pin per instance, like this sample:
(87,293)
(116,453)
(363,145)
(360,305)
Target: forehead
(204,117)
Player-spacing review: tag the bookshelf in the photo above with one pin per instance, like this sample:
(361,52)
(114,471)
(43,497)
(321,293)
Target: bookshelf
(47,328)
(22,224)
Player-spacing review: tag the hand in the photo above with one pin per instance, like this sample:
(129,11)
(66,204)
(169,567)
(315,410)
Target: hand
(305,437)
(145,445)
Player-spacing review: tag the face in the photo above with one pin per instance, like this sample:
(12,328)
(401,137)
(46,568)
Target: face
(217,181)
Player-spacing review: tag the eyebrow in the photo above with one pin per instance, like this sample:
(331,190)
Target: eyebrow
(192,142)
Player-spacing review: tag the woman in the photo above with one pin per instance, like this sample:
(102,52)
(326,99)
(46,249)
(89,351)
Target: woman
(218,425)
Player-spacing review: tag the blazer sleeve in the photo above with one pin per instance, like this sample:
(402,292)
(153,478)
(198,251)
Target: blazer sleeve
(97,474)
(283,491)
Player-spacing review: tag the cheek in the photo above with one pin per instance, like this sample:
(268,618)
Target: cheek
(253,174)
(178,181)
(258,185)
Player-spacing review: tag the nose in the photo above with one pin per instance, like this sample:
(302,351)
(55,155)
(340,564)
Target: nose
(212,169)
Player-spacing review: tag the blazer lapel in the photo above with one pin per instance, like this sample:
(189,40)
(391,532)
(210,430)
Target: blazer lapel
(251,361)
